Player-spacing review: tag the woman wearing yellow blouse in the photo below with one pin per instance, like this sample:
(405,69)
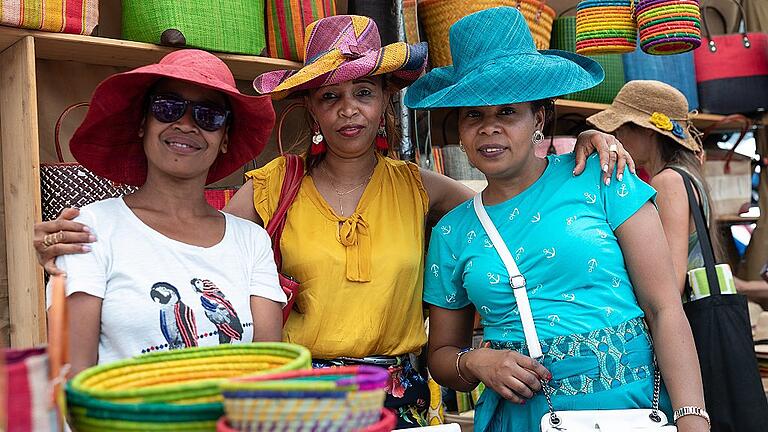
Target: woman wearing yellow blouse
(354,236)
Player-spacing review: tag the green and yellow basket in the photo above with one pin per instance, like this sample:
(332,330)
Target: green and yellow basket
(171,391)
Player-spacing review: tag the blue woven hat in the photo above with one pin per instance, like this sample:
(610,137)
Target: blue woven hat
(495,62)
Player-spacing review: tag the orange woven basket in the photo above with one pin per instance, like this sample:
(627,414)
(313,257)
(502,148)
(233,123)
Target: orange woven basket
(439,15)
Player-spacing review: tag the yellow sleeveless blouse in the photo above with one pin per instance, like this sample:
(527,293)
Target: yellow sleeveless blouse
(361,276)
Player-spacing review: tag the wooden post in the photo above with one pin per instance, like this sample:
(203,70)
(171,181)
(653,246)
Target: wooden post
(21,191)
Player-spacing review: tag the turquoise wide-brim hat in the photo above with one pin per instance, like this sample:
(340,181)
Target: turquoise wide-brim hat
(495,62)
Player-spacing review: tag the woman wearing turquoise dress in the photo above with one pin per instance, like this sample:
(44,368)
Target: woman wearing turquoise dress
(599,277)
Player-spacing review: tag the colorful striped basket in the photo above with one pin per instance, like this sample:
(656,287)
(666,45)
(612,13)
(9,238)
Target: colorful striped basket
(235,26)
(286,21)
(564,38)
(668,26)
(605,27)
(174,390)
(58,16)
(332,399)
(386,423)
(439,15)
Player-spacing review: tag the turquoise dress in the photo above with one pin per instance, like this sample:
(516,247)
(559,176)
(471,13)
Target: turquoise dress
(560,231)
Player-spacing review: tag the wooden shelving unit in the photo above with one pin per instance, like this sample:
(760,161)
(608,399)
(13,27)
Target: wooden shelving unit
(26,58)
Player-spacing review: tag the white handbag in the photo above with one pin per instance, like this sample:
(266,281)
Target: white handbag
(625,420)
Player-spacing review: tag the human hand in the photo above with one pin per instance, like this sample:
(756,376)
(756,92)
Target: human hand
(514,376)
(590,141)
(692,423)
(60,236)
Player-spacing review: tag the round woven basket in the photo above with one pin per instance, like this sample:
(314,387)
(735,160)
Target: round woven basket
(174,390)
(439,15)
(605,27)
(668,27)
(331,399)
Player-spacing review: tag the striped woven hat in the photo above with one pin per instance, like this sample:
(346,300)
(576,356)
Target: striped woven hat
(342,48)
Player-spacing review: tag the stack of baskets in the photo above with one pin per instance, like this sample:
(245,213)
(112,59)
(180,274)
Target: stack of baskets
(668,26)
(439,15)
(340,399)
(170,391)
(605,27)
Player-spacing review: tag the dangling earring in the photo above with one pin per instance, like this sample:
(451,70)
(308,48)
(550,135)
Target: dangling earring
(537,138)
(381,138)
(461,146)
(318,142)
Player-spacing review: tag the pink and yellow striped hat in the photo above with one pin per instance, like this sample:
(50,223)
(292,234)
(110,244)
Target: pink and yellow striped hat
(342,48)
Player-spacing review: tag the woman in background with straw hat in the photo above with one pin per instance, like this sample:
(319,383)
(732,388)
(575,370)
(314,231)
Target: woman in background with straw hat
(354,236)
(169,271)
(593,258)
(651,118)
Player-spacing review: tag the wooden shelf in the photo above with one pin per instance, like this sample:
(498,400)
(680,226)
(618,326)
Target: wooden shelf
(586,109)
(129,54)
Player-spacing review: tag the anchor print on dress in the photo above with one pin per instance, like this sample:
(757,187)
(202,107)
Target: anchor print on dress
(553,319)
(622,191)
(450,298)
(469,264)
(445,229)
(471,236)
(591,265)
(602,234)
(591,198)
(515,213)
(536,289)
(569,297)
(550,253)
(493,278)
(435,270)
(536,218)
(571,220)
(487,243)
(486,310)
(519,253)
(615,282)
(608,311)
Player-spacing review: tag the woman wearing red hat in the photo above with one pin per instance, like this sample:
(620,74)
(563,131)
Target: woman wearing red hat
(169,270)
(354,236)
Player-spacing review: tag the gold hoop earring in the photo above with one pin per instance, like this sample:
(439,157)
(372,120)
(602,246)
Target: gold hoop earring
(461,147)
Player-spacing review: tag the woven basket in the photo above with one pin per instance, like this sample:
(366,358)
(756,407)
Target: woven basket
(605,27)
(668,27)
(439,15)
(179,388)
(235,26)
(331,399)
(564,38)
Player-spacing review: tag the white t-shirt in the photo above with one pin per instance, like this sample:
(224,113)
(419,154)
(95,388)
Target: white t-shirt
(159,293)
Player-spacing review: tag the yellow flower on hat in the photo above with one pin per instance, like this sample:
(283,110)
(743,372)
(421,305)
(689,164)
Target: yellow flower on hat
(661,121)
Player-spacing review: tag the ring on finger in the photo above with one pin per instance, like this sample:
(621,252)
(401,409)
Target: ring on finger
(613,148)
(49,240)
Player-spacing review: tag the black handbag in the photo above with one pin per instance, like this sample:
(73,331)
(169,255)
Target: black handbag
(733,390)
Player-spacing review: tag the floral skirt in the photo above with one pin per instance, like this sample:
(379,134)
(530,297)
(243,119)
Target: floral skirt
(408,394)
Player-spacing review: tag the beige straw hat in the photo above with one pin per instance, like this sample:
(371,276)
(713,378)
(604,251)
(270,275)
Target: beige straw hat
(653,105)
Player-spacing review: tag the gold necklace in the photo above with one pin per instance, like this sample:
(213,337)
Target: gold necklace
(340,194)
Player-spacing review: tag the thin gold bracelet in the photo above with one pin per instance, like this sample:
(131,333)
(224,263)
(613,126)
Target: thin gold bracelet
(458,367)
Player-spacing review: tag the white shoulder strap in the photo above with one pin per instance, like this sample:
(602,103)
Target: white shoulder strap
(516,280)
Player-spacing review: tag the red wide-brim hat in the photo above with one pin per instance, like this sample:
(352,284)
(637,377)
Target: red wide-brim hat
(108,142)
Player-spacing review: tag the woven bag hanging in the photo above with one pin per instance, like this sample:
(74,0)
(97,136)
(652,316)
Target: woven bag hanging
(564,38)
(668,26)
(234,26)
(438,16)
(605,27)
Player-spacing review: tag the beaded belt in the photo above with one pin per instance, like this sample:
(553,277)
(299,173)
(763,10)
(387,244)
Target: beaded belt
(615,364)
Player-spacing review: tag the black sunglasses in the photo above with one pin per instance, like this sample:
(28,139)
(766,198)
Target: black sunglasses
(170,108)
